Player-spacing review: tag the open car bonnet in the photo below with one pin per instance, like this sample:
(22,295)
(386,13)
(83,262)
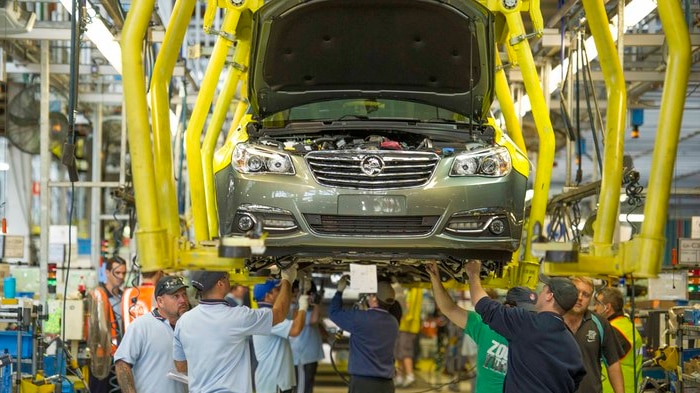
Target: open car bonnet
(426,51)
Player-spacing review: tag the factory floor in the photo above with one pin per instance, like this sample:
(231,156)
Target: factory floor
(327,381)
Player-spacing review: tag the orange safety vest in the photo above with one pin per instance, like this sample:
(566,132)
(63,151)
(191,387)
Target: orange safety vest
(115,328)
(137,301)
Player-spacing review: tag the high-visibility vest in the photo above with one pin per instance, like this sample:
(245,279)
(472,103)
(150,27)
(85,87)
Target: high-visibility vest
(410,321)
(630,362)
(114,322)
(137,301)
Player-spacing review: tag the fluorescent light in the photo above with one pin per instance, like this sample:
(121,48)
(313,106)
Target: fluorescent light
(635,12)
(100,35)
(631,217)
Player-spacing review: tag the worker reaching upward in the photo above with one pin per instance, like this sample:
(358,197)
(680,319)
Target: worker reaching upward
(492,348)
(211,343)
(542,352)
(373,333)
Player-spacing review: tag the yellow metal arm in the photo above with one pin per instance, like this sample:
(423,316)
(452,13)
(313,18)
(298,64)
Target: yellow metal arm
(518,47)
(222,108)
(160,115)
(505,100)
(607,219)
(667,135)
(642,256)
(151,235)
(193,140)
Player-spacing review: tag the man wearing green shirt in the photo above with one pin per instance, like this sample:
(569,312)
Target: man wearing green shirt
(492,348)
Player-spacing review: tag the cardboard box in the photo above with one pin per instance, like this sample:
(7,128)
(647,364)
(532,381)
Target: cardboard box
(4,272)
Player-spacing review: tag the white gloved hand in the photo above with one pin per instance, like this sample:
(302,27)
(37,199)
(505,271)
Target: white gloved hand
(290,274)
(303,302)
(343,283)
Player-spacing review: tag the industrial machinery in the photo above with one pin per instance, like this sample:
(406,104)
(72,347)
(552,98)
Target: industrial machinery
(262,139)
(27,318)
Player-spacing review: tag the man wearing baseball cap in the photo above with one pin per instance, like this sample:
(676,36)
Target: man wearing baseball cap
(373,333)
(275,370)
(542,352)
(211,341)
(492,348)
(145,355)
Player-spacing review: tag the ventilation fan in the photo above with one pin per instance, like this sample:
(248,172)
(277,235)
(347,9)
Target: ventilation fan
(23,127)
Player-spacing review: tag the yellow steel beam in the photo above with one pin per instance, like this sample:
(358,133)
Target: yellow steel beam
(505,100)
(193,136)
(607,217)
(160,115)
(221,109)
(519,52)
(543,124)
(151,236)
(206,257)
(667,134)
(641,256)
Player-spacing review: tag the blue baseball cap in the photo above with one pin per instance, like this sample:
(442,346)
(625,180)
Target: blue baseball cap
(260,290)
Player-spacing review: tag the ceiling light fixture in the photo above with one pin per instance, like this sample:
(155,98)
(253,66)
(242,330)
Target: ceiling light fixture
(99,34)
(635,12)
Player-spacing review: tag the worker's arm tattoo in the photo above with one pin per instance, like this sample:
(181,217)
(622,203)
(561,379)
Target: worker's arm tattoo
(125,377)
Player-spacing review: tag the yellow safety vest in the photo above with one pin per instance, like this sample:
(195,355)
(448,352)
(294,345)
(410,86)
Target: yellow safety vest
(623,325)
(410,322)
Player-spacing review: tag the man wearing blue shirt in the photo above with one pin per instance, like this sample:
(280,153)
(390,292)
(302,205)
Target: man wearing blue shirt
(211,341)
(145,355)
(373,333)
(275,370)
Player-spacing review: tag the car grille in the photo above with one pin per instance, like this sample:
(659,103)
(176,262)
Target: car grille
(374,226)
(372,169)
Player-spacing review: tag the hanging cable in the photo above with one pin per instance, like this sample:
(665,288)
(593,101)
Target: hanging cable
(579,142)
(588,84)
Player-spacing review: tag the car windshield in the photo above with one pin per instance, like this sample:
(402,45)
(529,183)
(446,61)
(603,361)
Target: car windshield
(364,109)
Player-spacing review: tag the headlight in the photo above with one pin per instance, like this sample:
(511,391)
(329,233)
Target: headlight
(250,159)
(490,162)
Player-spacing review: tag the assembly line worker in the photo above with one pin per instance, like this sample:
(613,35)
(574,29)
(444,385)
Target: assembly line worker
(239,295)
(145,355)
(409,327)
(492,348)
(609,303)
(109,294)
(588,329)
(210,343)
(139,300)
(542,353)
(307,347)
(373,333)
(275,370)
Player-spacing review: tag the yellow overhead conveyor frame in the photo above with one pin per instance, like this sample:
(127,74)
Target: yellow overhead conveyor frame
(641,256)
(160,243)
(514,37)
(151,235)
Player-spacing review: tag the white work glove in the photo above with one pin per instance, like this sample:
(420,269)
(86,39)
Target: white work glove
(303,302)
(343,283)
(290,274)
